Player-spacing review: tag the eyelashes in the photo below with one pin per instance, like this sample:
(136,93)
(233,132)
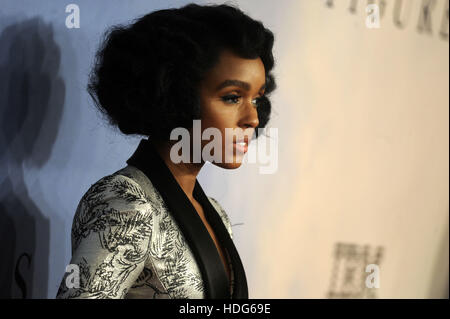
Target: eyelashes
(231,99)
(234,99)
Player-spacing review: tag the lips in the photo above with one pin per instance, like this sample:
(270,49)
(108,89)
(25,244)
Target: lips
(241,144)
(242,140)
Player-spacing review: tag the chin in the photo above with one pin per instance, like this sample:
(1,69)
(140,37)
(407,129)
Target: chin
(228,165)
(230,160)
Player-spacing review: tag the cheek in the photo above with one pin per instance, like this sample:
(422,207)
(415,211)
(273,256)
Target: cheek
(220,116)
(216,114)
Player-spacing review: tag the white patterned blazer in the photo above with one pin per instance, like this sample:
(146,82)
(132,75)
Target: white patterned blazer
(135,234)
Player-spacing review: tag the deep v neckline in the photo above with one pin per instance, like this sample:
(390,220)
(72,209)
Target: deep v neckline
(222,251)
(212,268)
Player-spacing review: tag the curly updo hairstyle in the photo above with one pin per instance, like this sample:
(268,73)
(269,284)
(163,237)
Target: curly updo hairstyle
(146,75)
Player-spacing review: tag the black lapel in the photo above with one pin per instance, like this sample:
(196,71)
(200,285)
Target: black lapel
(240,281)
(210,264)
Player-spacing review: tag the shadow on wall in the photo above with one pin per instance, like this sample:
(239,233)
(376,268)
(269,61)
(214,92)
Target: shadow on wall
(31,94)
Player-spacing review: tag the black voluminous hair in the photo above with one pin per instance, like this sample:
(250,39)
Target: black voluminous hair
(146,74)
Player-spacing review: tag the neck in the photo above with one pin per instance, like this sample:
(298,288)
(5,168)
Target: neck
(184,173)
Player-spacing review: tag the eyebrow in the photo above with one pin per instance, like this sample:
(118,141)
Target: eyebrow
(239,83)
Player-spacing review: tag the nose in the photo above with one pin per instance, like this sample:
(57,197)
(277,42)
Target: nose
(249,116)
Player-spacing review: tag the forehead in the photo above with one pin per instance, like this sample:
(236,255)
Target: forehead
(232,66)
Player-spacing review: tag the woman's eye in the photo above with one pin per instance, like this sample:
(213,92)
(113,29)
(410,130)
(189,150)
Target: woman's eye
(257,101)
(232,99)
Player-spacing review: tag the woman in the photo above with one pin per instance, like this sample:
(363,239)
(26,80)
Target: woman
(148,230)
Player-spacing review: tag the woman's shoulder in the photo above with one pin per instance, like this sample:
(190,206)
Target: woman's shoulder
(128,184)
(110,195)
(116,186)
(113,201)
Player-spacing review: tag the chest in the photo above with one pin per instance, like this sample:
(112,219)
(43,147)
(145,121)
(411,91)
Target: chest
(172,263)
(219,248)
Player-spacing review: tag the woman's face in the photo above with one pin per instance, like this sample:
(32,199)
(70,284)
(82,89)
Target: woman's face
(229,97)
